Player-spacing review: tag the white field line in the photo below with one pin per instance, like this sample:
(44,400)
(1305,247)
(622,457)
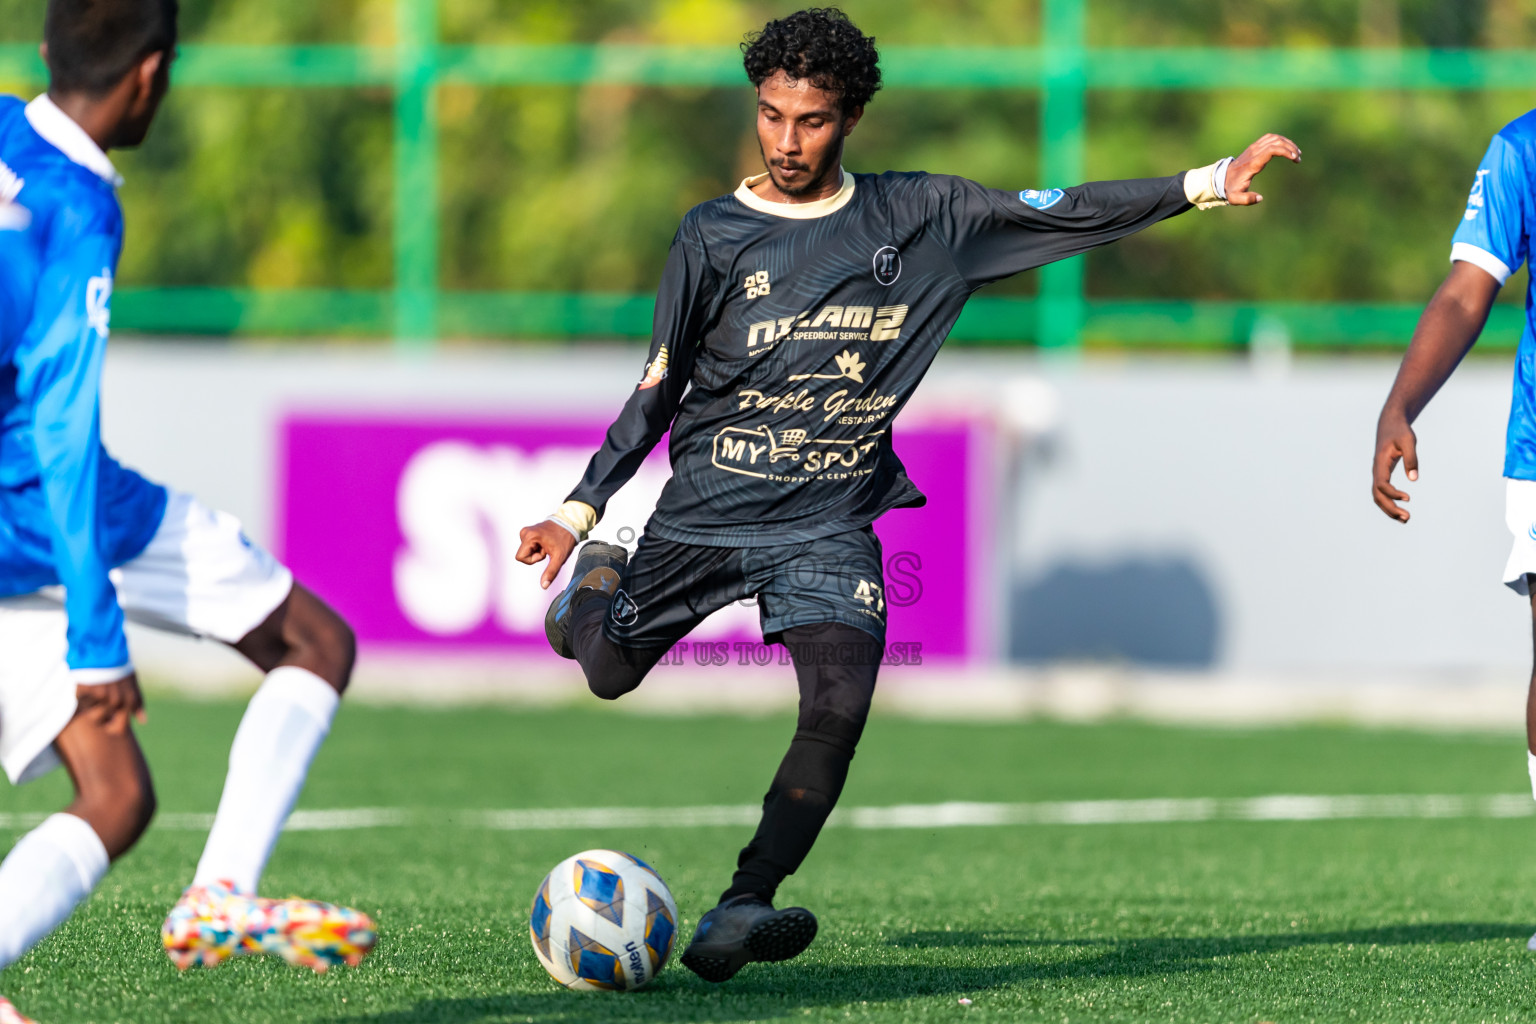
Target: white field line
(910,816)
(611,817)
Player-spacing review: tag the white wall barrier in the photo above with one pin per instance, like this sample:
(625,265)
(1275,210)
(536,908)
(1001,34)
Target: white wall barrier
(1175,516)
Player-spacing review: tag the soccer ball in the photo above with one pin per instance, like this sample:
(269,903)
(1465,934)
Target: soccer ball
(603,920)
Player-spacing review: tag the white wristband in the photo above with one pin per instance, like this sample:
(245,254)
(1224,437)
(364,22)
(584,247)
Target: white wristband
(1206,187)
(1531,765)
(575,516)
(1219,177)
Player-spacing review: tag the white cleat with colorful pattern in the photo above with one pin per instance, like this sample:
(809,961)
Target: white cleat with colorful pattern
(212,923)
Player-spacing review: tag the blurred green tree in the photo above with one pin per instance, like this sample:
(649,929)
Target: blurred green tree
(580,188)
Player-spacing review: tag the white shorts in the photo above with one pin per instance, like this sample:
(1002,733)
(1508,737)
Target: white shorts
(199,576)
(1520,516)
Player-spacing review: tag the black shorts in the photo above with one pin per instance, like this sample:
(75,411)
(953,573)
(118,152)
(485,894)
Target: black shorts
(668,588)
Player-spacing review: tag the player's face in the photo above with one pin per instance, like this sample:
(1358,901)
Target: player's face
(800,130)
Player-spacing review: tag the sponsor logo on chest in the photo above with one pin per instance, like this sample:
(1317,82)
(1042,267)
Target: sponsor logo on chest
(830,323)
(794,456)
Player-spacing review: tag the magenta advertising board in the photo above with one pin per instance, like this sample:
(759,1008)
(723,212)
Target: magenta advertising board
(409,527)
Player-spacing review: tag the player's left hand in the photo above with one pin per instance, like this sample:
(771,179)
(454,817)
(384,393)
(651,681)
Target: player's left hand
(1242,171)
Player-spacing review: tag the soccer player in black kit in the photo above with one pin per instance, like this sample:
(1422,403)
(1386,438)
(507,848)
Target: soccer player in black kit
(794,319)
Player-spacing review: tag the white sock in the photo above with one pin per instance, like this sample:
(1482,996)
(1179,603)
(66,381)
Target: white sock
(47,874)
(282,729)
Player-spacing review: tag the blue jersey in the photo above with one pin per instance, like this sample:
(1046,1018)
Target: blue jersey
(1495,235)
(69,513)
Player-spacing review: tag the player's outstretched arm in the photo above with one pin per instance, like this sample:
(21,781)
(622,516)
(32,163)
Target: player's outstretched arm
(982,226)
(1450,324)
(1242,170)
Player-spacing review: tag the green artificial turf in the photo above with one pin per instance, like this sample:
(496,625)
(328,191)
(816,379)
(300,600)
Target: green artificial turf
(1379,920)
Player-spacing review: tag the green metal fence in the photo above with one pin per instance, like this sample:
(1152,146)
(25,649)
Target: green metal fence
(1063,69)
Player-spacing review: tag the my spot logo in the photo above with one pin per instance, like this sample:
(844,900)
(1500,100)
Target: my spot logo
(1041,199)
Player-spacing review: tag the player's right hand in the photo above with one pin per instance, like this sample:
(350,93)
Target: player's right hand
(1247,165)
(546,540)
(1395,441)
(112,704)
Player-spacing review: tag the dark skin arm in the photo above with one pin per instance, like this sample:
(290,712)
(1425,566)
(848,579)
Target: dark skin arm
(1446,332)
(1450,324)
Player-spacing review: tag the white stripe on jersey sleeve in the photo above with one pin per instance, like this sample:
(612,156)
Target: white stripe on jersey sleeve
(1465,253)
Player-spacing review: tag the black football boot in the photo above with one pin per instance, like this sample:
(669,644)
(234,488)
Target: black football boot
(597,571)
(743,930)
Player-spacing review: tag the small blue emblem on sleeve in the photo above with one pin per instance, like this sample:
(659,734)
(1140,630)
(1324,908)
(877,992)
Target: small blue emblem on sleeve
(1041,199)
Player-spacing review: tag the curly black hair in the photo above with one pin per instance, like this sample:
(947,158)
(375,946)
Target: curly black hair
(92,44)
(821,46)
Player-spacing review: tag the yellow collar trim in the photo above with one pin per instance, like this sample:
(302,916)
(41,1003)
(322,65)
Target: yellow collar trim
(795,211)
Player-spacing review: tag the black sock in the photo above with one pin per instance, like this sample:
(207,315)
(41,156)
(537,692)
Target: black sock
(802,796)
(834,703)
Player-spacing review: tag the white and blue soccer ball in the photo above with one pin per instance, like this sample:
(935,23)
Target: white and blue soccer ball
(603,920)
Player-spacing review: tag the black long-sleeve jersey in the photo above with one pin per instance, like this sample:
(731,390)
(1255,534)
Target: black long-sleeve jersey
(788,337)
